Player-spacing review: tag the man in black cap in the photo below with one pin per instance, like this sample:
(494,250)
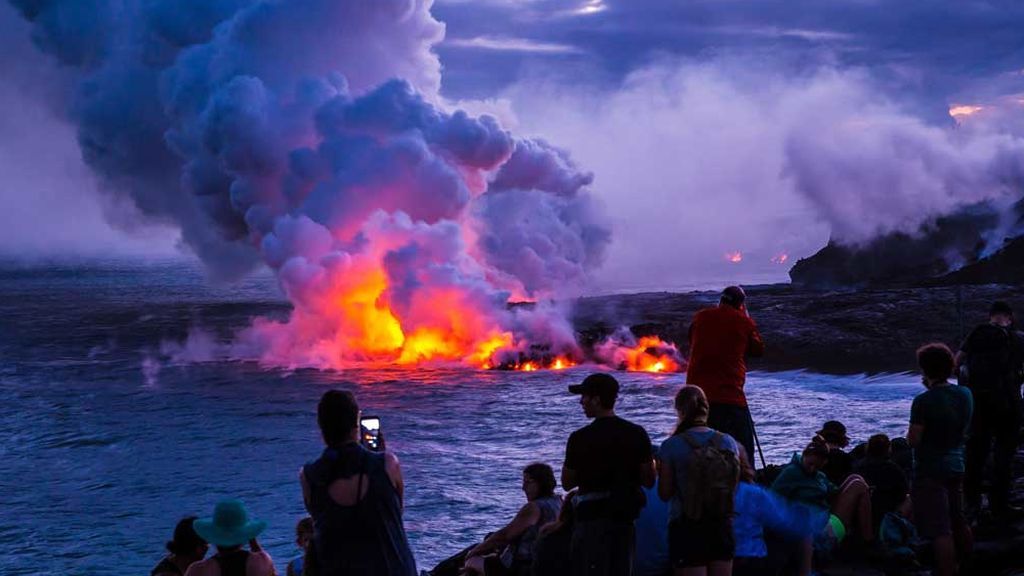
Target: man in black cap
(990,361)
(608,460)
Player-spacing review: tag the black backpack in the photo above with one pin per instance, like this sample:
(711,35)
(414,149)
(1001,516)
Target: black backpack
(993,359)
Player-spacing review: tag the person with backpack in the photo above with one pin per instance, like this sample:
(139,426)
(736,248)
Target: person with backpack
(721,339)
(698,475)
(990,361)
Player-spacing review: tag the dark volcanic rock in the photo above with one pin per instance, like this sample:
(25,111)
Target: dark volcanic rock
(981,244)
(870,330)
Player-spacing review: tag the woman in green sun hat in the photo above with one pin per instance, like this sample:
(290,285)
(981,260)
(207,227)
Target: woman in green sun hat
(228,529)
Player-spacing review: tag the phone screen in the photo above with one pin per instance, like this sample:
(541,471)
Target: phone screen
(371,423)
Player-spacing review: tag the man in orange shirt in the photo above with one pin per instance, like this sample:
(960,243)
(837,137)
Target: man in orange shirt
(720,340)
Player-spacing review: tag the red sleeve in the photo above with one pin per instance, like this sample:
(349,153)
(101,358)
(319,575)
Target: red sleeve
(755,345)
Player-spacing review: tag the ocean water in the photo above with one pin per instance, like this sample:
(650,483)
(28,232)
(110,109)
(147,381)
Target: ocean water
(105,444)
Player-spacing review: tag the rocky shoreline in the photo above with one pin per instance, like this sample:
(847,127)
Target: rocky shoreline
(838,331)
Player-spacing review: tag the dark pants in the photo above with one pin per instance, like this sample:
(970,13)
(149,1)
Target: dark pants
(602,548)
(734,421)
(998,420)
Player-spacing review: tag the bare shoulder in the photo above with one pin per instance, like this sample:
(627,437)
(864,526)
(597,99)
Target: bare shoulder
(391,460)
(201,568)
(260,564)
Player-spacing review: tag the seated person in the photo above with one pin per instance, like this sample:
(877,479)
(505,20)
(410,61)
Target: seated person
(551,552)
(185,549)
(228,529)
(303,536)
(888,483)
(756,509)
(849,505)
(510,549)
(840,464)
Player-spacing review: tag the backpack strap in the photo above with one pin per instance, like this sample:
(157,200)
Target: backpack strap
(694,444)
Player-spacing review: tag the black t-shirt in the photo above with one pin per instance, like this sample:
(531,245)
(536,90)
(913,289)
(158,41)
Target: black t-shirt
(888,483)
(607,456)
(838,467)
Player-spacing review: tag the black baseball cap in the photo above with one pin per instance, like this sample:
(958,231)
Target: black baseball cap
(597,384)
(1000,307)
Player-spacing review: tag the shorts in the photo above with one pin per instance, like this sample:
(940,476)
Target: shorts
(700,542)
(938,506)
(829,537)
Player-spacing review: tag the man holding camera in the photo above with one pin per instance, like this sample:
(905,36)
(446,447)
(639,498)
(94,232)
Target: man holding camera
(721,338)
(990,361)
(608,460)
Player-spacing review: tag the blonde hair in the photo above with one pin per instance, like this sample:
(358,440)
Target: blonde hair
(692,407)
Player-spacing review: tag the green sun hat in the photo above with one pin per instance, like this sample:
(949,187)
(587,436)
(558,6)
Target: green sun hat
(229,526)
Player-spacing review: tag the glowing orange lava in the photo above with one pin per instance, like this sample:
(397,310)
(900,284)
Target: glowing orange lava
(962,111)
(652,354)
(780,258)
(734,257)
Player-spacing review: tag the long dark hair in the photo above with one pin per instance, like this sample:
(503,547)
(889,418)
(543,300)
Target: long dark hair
(544,476)
(185,539)
(692,406)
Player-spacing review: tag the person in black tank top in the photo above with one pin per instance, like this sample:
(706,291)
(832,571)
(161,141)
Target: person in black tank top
(185,549)
(355,498)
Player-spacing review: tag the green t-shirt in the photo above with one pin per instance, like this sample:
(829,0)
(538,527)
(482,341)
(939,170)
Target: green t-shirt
(945,413)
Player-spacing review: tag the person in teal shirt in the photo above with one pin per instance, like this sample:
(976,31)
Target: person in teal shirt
(939,418)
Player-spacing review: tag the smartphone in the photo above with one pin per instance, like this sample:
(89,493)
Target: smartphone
(370,428)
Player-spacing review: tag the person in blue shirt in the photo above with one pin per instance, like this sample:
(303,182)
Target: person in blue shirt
(758,508)
(651,557)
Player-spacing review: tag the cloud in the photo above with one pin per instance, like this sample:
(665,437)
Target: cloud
(505,44)
(696,159)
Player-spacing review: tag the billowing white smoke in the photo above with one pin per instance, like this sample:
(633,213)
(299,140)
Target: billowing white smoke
(307,135)
(697,160)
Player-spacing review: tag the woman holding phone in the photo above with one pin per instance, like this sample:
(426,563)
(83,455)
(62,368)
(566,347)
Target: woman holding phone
(355,498)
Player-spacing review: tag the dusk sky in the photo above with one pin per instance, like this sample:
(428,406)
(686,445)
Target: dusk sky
(711,127)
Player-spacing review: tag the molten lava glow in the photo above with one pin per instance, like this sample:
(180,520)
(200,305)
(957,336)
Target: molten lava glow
(734,257)
(780,258)
(652,354)
(963,111)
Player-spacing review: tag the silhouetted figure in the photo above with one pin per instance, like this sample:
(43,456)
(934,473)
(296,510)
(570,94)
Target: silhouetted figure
(608,460)
(721,338)
(991,363)
(184,549)
(888,482)
(939,419)
(840,463)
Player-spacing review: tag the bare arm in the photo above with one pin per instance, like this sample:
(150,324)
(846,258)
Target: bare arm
(527,516)
(394,470)
(914,435)
(666,481)
(305,490)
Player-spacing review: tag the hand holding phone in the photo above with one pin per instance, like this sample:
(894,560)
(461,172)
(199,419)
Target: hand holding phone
(370,434)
